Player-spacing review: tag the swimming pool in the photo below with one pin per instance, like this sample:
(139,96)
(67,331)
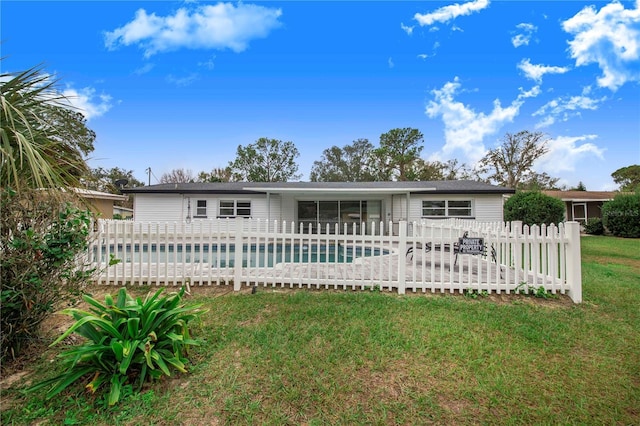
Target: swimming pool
(223,255)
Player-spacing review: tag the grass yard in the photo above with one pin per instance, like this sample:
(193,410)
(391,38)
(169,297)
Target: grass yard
(320,357)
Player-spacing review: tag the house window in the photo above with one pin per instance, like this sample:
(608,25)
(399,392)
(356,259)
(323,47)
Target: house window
(434,208)
(201,208)
(459,208)
(233,208)
(446,208)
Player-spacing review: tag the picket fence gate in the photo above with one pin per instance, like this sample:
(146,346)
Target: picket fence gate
(419,256)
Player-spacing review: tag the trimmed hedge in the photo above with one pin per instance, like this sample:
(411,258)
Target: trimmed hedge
(621,216)
(594,226)
(534,208)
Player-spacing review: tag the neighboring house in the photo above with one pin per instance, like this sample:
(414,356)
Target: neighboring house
(101,203)
(582,205)
(320,203)
(123,212)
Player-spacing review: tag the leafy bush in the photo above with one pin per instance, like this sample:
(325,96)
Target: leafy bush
(534,208)
(594,226)
(128,341)
(621,216)
(41,236)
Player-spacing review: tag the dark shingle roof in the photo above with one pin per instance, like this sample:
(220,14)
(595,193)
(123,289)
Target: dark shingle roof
(438,187)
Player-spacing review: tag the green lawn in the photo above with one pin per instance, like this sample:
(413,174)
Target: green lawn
(319,357)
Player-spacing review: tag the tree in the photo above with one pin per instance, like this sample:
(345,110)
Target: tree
(216,175)
(110,181)
(42,147)
(426,170)
(511,164)
(177,176)
(104,180)
(399,148)
(350,163)
(266,160)
(579,187)
(534,208)
(436,170)
(42,140)
(621,216)
(628,178)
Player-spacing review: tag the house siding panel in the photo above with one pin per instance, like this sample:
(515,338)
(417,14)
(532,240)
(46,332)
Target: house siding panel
(489,208)
(158,208)
(174,207)
(485,208)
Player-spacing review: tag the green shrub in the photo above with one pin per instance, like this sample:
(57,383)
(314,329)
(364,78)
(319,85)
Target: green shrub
(621,216)
(533,208)
(41,236)
(594,226)
(128,342)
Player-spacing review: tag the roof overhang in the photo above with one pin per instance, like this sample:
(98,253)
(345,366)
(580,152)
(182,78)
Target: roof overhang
(282,190)
(586,200)
(97,195)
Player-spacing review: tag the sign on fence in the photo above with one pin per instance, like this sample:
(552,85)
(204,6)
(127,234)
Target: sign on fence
(467,245)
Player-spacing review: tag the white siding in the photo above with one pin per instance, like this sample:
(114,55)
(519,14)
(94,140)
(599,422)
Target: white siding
(289,208)
(158,207)
(399,207)
(485,207)
(174,207)
(488,208)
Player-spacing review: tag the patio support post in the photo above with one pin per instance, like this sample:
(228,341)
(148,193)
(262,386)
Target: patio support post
(408,204)
(268,210)
(237,260)
(402,262)
(574,267)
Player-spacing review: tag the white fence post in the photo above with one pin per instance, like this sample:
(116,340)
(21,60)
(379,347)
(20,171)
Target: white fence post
(238,243)
(516,226)
(574,266)
(402,263)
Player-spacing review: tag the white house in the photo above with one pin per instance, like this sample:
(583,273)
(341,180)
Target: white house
(320,203)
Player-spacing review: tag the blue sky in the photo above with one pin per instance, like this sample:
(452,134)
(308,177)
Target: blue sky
(181,84)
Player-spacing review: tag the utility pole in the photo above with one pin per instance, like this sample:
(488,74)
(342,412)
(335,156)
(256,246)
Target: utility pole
(149,172)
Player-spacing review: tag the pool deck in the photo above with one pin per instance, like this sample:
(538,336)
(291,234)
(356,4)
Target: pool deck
(423,272)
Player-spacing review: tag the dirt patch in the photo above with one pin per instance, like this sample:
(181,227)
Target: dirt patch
(607,260)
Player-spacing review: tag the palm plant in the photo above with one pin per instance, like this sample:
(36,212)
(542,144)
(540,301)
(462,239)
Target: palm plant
(42,139)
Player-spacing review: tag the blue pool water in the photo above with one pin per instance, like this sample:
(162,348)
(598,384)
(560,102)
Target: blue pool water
(253,255)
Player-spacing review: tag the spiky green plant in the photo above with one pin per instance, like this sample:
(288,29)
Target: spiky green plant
(42,138)
(128,341)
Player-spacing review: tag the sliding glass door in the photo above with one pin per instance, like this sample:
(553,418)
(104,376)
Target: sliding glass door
(325,214)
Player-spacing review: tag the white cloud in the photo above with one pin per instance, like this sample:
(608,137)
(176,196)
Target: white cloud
(220,26)
(144,69)
(448,13)
(609,37)
(524,37)
(209,63)
(87,102)
(536,72)
(464,128)
(565,152)
(423,56)
(182,81)
(407,29)
(390,63)
(564,108)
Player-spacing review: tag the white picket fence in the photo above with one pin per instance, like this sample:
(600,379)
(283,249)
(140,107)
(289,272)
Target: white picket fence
(422,256)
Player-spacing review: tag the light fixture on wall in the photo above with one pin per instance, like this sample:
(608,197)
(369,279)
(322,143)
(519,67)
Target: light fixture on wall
(188,209)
